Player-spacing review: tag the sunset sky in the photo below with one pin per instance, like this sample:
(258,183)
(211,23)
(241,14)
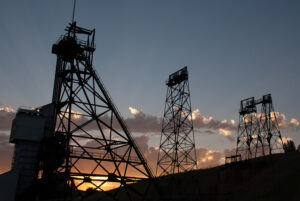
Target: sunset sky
(233,50)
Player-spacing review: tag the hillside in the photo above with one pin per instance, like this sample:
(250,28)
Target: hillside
(262,179)
(270,178)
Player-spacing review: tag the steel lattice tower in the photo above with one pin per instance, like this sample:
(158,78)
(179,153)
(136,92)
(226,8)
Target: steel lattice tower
(269,130)
(248,139)
(91,146)
(177,144)
(258,133)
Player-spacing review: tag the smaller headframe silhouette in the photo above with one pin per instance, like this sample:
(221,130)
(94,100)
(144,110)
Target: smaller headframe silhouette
(258,133)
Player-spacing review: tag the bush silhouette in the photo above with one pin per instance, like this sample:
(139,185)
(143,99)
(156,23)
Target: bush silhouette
(289,146)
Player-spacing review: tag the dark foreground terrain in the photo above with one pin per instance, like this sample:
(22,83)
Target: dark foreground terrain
(262,179)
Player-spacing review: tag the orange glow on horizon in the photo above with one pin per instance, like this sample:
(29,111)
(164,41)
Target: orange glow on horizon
(107,186)
(96,181)
(7,109)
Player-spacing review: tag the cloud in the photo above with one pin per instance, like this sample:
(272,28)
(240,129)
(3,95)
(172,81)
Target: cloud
(200,122)
(286,139)
(207,131)
(142,122)
(294,123)
(6,116)
(281,119)
(134,111)
(212,126)
(7,109)
(291,126)
(205,158)
(226,133)
(6,151)
(208,158)
(224,122)
(145,123)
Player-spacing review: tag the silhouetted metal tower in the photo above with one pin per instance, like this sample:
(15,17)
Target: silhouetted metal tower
(269,129)
(91,147)
(258,133)
(248,129)
(177,144)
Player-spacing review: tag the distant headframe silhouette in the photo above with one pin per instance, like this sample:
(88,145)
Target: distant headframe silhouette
(258,133)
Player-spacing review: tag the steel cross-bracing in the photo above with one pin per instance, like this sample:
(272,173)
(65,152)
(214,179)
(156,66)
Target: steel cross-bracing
(269,127)
(248,139)
(258,133)
(177,144)
(92,149)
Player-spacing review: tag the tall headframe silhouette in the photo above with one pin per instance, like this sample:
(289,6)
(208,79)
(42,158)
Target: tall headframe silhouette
(95,149)
(258,133)
(177,144)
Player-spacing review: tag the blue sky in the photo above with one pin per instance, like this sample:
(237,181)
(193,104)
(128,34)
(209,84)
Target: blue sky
(233,50)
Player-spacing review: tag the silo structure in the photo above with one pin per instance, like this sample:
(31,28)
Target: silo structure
(27,134)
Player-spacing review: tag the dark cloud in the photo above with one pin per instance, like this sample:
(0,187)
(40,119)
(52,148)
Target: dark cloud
(140,122)
(284,125)
(201,122)
(147,123)
(230,138)
(229,152)
(206,158)
(144,123)
(6,119)
(150,153)
(206,131)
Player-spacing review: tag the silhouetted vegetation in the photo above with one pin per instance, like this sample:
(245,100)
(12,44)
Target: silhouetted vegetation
(90,190)
(289,146)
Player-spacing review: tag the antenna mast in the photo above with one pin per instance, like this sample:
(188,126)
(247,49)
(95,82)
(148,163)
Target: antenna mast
(73,14)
